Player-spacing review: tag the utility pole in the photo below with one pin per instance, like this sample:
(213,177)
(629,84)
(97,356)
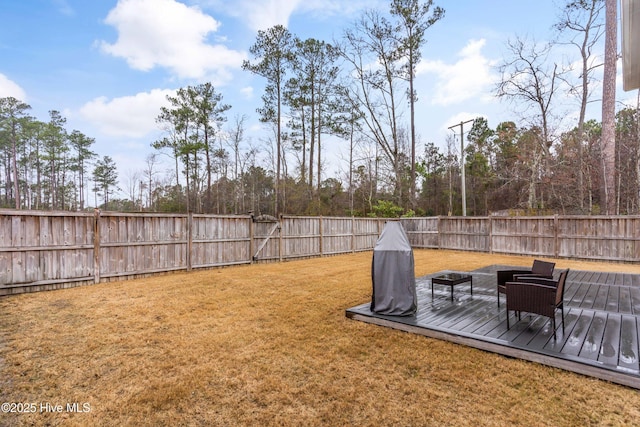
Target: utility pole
(463,184)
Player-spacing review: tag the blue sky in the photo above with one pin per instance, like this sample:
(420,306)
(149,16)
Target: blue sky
(107,65)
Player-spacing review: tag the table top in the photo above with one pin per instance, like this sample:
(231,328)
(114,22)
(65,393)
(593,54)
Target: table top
(453,277)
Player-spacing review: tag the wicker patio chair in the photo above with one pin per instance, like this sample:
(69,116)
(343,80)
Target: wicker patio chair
(542,269)
(539,296)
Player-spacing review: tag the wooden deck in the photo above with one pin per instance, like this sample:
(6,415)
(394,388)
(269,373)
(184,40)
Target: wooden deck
(602,323)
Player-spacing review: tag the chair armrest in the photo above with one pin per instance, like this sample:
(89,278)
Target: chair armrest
(534,279)
(505,276)
(517,277)
(531,285)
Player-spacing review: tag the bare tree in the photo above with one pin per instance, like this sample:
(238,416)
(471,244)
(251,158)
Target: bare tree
(374,90)
(531,82)
(354,128)
(133,187)
(236,137)
(581,19)
(149,173)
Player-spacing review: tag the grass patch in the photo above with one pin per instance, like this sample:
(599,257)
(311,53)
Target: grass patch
(270,345)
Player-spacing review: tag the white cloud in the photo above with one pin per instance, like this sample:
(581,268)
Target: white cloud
(64,7)
(266,14)
(261,15)
(10,88)
(257,15)
(247,92)
(166,33)
(128,116)
(468,78)
(328,8)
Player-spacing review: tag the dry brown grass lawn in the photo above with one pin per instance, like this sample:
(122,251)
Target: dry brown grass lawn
(270,345)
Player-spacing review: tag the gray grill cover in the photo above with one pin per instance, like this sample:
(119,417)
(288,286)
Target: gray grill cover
(392,273)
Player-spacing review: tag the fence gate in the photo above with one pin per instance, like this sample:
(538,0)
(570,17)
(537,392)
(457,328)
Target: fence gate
(273,225)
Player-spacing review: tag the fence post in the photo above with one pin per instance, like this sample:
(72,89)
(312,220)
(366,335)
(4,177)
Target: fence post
(321,228)
(96,245)
(280,232)
(556,249)
(189,239)
(490,234)
(252,232)
(353,234)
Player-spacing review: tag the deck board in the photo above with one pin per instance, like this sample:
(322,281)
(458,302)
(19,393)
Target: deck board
(578,330)
(610,347)
(593,340)
(581,291)
(600,302)
(590,297)
(613,299)
(628,357)
(624,303)
(634,291)
(601,323)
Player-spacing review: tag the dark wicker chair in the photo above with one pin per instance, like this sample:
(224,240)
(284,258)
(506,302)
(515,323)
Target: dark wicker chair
(542,269)
(537,295)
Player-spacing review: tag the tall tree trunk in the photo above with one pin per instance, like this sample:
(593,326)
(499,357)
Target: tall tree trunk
(186,166)
(63,176)
(319,149)
(208,159)
(532,199)
(176,156)
(7,178)
(38,178)
(303,164)
(312,141)
(53,195)
(608,106)
(412,185)
(14,166)
(278,150)
(81,185)
(580,137)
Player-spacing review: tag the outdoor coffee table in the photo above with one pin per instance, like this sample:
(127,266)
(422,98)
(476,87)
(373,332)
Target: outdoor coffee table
(451,279)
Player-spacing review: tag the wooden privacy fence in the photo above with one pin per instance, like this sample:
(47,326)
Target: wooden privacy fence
(50,250)
(598,238)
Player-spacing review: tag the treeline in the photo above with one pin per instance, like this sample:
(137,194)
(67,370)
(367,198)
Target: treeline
(46,167)
(506,169)
(315,91)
